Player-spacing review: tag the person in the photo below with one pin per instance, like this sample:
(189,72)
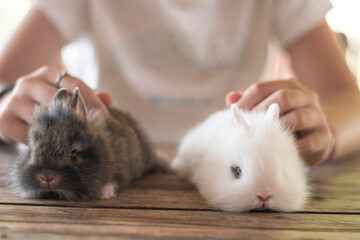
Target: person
(171,63)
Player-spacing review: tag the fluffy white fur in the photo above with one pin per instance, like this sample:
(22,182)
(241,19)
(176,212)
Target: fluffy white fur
(259,144)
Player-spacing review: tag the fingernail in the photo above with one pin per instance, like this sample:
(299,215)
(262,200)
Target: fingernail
(232,97)
(236,97)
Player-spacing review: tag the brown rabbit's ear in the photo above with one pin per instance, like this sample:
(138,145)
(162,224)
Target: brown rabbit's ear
(60,96)
(77,102)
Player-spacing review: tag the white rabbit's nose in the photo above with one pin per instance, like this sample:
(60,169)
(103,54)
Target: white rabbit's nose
(264,198)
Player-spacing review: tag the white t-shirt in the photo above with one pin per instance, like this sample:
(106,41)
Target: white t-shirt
(171,63)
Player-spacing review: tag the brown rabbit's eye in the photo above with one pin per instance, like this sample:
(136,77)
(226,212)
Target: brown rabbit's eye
(236,171)
(73,155)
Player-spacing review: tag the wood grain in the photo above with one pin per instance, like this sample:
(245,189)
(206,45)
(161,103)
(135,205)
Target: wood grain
(190,224)
(18,230)
(299,221)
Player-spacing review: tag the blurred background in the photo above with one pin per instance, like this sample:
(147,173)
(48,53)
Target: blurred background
(79,60)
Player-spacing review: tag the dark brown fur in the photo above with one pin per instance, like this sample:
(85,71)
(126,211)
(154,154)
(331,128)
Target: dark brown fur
(109,149)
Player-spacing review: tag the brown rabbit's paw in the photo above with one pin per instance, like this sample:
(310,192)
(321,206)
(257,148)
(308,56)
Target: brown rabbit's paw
(108,191)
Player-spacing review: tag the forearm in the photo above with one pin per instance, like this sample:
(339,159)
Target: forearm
(35,43)
(343,112)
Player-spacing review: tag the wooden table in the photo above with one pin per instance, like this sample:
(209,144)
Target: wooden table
(162,206)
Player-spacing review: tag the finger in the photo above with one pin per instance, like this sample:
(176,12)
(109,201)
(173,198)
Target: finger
(21,132)
(22,109)
(13,129)
(312,145)
(259,91)
(303,118)
(106,98)
(287,99)
(69,82)
(232,97)
(47,73)
(35,89)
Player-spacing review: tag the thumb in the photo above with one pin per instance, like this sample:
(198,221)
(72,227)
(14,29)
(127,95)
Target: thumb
(232,97)
(106,98)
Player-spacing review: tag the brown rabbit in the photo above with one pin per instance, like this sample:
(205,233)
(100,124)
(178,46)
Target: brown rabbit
(76,154)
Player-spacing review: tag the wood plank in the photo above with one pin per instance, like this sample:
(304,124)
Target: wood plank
(15,230)
(140,217)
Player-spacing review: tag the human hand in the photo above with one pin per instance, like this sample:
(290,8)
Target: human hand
(301,110)
(38,87)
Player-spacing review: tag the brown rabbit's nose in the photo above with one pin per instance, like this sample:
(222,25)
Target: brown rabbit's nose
(264,198)
(47,179)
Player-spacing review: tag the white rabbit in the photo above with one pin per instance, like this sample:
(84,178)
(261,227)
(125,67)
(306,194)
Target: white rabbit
(244,160)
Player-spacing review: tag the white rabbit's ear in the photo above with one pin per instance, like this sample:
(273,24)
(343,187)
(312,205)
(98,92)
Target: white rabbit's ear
(273,111)
(236,117)
(77,102)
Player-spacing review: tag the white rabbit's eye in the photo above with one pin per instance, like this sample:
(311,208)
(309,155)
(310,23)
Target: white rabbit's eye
(236,171)
(73,155)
